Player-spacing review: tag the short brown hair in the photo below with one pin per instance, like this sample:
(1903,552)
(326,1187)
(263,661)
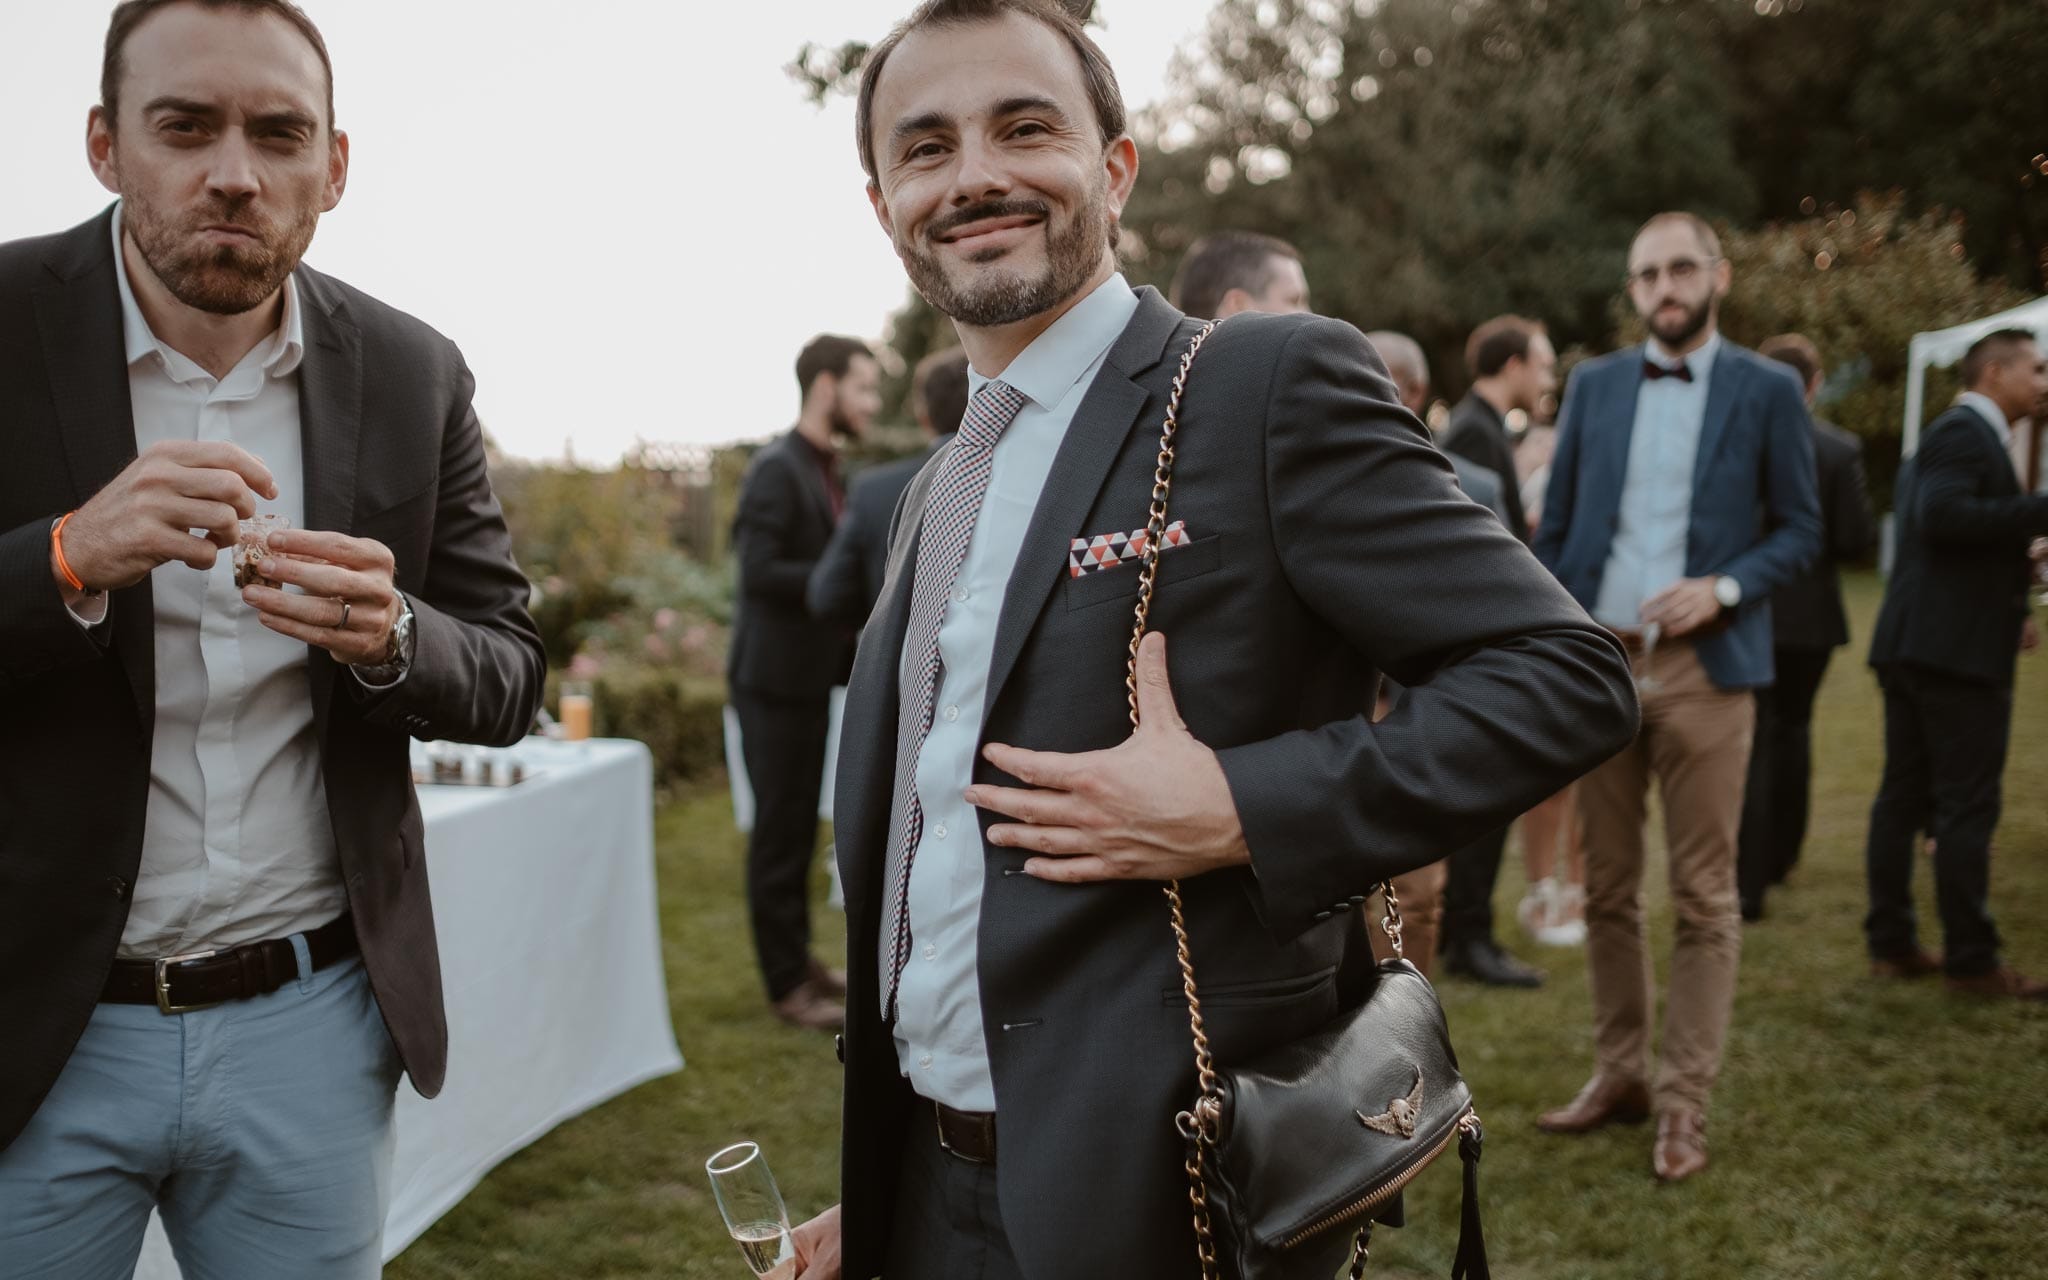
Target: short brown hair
(2000,346)
(131,14)
(1222,261)
(1103,93)
(939,387)
(827,353)
(1797,350)
(1700,228)
(1498,341)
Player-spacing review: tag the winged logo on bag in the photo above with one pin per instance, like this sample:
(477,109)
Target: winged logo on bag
(1398,1120)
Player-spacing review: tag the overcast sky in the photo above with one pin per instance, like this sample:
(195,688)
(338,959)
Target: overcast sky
(624,211)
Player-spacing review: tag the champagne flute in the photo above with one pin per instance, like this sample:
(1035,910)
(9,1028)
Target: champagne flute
(752,1206)
(1645,682)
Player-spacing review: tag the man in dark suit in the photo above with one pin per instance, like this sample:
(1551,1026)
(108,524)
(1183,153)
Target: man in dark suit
(784,662)
(216,945)
(1808,623)
(1226,272)
(1015,1045)
(1513,367)
(1954,618)
(1681,495)
(849,576)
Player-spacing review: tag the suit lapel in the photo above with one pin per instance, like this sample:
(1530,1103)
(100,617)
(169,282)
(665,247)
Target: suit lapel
(330,433)
(811,477)
(1722,388)
(78,312)
(1093,442)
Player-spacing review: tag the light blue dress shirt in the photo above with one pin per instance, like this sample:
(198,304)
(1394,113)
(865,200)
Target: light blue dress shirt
(938,1004)
(1648,552)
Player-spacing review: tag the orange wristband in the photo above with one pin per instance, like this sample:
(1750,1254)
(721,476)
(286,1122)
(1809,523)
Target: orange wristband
(63,565)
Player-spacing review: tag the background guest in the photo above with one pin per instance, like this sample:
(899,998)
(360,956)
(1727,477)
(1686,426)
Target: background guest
(783,664)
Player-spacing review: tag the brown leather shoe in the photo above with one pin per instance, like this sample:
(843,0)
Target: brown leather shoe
(1603,1101)
(831,982)
(2001,981)
(1681,1149)
(1914,964)
(811,1009)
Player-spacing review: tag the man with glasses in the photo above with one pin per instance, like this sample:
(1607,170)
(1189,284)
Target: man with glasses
(1682,494)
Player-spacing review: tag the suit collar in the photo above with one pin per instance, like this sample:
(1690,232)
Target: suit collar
(330,431)
(1049,370)
(1724,382)
(1987,408)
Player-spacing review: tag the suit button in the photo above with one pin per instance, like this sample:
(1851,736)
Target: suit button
(1357,899)
(118,886)
(1323,915)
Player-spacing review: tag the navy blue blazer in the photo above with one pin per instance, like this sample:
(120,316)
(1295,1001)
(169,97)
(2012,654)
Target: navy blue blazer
(1755,501)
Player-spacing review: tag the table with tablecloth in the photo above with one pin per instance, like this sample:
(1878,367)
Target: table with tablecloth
(544,904)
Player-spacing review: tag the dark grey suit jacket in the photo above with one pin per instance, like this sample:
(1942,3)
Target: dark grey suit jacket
(1478,432)
(1329,542)
(1807,612)
(392,452)
(1958,591)
(780,530)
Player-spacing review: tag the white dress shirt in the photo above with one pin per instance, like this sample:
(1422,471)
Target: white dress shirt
(938,1004)
(237,845)
(1648,551)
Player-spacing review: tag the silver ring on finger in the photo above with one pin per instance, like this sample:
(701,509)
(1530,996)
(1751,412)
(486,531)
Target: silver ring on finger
(343,624)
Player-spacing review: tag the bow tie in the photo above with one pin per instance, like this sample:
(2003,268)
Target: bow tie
(1653,371)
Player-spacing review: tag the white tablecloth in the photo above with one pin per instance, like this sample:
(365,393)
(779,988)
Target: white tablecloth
(544,903)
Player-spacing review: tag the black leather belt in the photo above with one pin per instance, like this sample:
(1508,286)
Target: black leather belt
(969,1135)
(203,979)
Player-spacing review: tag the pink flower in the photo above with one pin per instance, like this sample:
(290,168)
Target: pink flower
(664,619)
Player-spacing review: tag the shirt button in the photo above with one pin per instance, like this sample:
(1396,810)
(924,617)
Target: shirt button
(952,714)
(939,831)
(925,1062)
(962,596)
(930,951)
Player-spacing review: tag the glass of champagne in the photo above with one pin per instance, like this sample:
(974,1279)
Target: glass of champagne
(753,1210)
(1645,682)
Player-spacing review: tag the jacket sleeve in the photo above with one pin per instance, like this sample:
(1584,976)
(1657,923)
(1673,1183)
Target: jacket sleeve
(838,590)
(1512,690)
(478,665)
(768,500)
(1952,466)
(1791,493)
(38,635)
(1562,487)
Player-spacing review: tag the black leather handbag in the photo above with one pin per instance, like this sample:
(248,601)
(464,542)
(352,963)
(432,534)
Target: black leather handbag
(1295,1153)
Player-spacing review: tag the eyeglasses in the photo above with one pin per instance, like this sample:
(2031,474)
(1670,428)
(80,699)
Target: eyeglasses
(1679,270)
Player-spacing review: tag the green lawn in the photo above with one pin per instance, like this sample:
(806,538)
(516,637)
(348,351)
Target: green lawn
(1860,1130)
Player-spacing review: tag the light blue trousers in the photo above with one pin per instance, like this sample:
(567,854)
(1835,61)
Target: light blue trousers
(261,1129)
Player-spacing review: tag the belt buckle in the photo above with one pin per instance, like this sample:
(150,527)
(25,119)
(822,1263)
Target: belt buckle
(163,982)
(939,1119)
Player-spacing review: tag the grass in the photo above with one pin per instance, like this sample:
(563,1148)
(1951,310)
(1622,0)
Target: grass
(1859,1129)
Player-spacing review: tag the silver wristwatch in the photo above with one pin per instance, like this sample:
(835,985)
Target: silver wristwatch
(398,654)
(1727,591)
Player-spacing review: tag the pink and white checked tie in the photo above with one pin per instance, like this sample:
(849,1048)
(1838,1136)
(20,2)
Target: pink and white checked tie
(950,510)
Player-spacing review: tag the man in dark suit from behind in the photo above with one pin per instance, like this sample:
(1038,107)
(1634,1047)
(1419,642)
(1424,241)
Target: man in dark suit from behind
(1808,623)
(1681,495)
(217,948)
(1228,272)
(849,575)
(1513,367)
(1954,620)
(784,663)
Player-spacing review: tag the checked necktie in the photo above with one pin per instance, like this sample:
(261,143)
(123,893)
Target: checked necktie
(950,510)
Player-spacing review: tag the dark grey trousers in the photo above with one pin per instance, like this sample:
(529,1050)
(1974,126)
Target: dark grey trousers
(948,1225)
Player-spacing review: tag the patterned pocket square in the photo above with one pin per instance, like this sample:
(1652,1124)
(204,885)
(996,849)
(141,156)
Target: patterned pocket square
(1108,550)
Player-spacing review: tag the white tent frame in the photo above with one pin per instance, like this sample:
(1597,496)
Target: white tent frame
(1944,347)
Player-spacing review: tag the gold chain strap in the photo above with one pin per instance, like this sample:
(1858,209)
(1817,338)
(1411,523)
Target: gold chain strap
(1198,1126)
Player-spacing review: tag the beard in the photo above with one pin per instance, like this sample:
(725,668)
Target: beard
(842,424)
(1676,333)
(227,279)
(1003,295)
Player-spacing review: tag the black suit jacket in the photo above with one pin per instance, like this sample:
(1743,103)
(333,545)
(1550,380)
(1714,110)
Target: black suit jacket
(1478,432)
(781,529)
(1807,612)
(1329,541)
(1958,591)
(392,452)
(848,579)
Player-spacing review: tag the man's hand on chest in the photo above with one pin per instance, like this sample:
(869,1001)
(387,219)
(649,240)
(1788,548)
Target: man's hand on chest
(1156,807)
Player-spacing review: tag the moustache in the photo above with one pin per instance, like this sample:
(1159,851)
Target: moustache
(988,209)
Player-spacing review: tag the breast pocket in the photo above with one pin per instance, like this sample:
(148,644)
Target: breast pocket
(1180,564)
